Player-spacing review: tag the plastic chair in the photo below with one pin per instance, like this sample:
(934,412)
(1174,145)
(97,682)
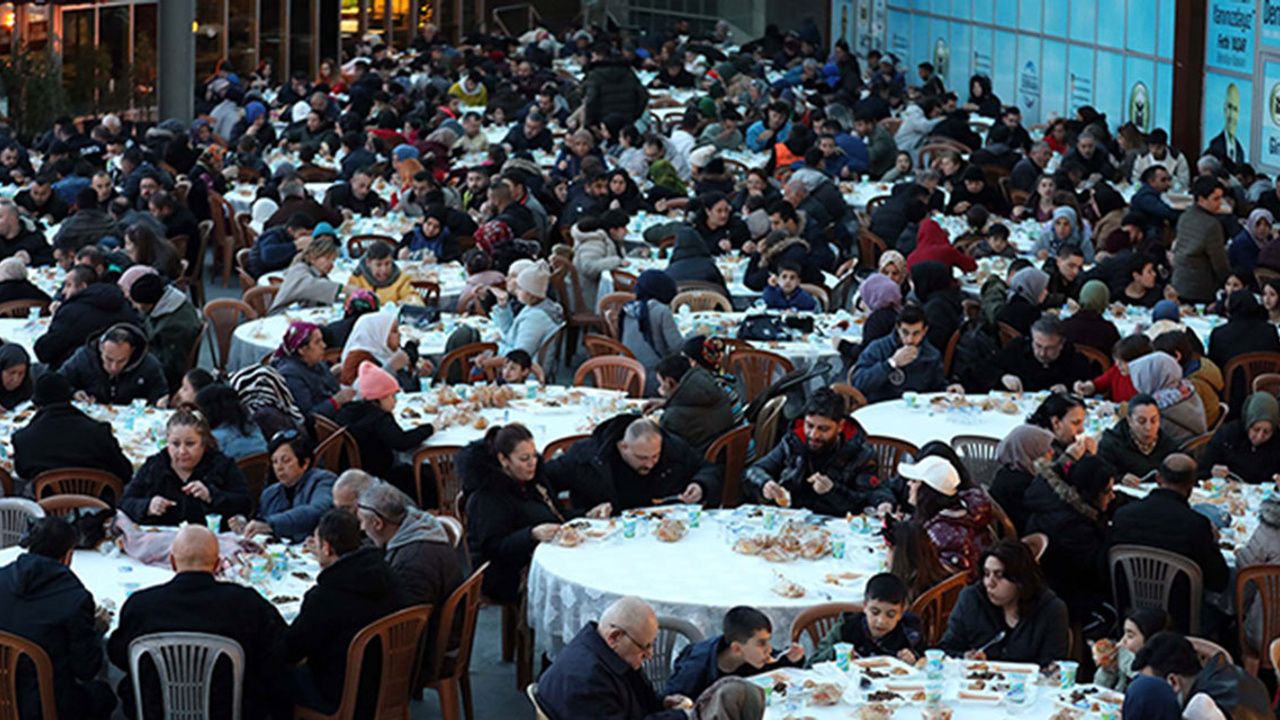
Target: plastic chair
(756,370)
(870,247)
(1251,365)
(1095,356)
(701,301)
(324,427)
(623,281)
(185,663)
(449,658)
(357,244)
(12,650)
(555,447)
(1267,383)
(734,447)
(63,505)
(334,449)
(546,355)
(1223,410)
(531,691)
(77,481)
(399,638)
(766,425)
(853,397)
(1038,543)
(428,291)
(446,477)
(453,528)
(605,346)
(15,514)
(462,358)
(613,372)
(816,621)
(578,317)
(22,308)
(1007,333)
(256,469)
(261,298)
(1206,649)
(223,316)
(610,306)
(657,667)
(978,455)
(1149,575)
(820,293)
(933,607)
(890,452)
(1265,580)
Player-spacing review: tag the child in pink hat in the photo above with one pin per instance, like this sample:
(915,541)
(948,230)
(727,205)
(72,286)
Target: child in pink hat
(377,433)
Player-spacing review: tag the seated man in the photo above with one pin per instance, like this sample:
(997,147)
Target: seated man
(694,407)
(42,445)
(20,234)
(628,462)
(1216,688)
(89,223)
(742,649)
(597,675)
(172,324)
(355,197)
(276,247)
(45,602)
(177,218)
(346,491)
(116,369)
(41,202)
(195,601)
(1044,361)
(87,306)
(354,588)
(1136,446)
(417,546)
(822,465)
(900,361)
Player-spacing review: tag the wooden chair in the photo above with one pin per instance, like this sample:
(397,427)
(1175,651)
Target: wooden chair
(978,454)
(78,481)
(1267,383)
(870,248)
(22,308)
(756,370)
(1007,333)
(555,447)
(428,291)
(890,452)
(614,372)
(226,234)
(449,659)
(338,452)
(63,505)
(1149,577)
(324,427)
(194,275)
(1001,526)
(853,397)
(1037,543)
(948,355)
(819,293)
(1223,410)
(12,650)
(1194,446)
(933,607)
(357,244)
(256,469)
(701,301)
(461,358)
(399,637)
(766,426)
(447,485)
(579,317)
(816,621)
(1095,356)
(1265,583)
(1273,652)
(623,281)
(605,346)
(665,245)
(733,447)
(1206,649)
(223,315)
(1250,365)
(261,297)
(610,306)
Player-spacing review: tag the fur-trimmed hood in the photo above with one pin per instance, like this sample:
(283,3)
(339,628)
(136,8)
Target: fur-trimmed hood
(768,254)
(1050,471)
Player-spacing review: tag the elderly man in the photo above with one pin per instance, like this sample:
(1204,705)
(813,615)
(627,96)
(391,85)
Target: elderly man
(295,199)
(116,369)
(1136,445)
(87,306)
(1044,361)
(356,197)
(346,491)
(1027,171)
(628,462)
(195,601)
(19,235)
(418,547)
(597,675)
(532,135)
(1090,155)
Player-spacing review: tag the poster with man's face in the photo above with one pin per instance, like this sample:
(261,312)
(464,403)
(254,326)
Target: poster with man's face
(1140,106)
(1224,118)
(942,59)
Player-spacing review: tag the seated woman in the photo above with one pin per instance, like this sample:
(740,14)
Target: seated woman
(300,361)
(1069,506)
(1248,447)
(1018,454)
(376,339)
(1063,230)
(1256,233)
(691,260)
(430,240)
(14,284)
(480,273)
(913,558)
(377,272)
(297,492)
(1039,204)
(1010,600)
(307,280)
(957,520)
(1027,290)
(15,377)
(1087,326)
(646,324)
(882,298)
(598,247)
(1063,415)
(146,248)
(1181,412)
(1115,659)
(720,229)
(229,421)
(538,317)
(193,381)
(187,480)
(1238,279)
(510,505)
(377,433)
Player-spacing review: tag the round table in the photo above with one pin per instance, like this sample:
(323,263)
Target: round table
(732,266)
(139,429)
(450,276)
(254,339)
(696,579)
(803,351)
(24,332)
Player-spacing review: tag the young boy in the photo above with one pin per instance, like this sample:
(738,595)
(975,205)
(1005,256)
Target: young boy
(516,368)
(786,293)
(884,627)
(741,651)
(996,243)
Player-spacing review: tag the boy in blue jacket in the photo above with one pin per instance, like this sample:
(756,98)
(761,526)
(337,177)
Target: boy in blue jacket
(786,293)
(742,650)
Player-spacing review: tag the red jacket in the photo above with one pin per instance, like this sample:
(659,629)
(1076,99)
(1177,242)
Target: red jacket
(932,243)
(1115,385)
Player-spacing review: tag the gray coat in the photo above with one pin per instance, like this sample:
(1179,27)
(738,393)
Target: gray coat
(422,558)
(664,337)
(1200,263)
(304,284)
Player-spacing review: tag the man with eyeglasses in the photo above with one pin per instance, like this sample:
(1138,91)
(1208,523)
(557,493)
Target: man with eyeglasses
(1044,361)
(417,545)
(597,675)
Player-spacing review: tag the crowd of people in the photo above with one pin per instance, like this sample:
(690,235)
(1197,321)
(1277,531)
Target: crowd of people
(119,208)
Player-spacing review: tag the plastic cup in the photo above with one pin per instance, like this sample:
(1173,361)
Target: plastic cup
(933,692)
(257,570)
(910,397)
(933,664)
(1067,674)
(214,521)
(629,523)
(837,547)
(765,683)
(844,656)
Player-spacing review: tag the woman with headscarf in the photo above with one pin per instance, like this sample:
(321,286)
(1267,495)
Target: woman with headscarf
(691,260)
(1247,330)
(938,295)
(15,376)
(430,239)
(894,266)
(1018,454)
(1246,246)
(666,183)
(1027,290)
(624,194)
(434,149)
(1087,326)
(730,698)
(256,123)
(647,325)
(709,353)
(882,299)
(976,190)
(300,361)
(1181,411)
(933,243)
(375,338)
(981,99)
(1238,279)
(358,303)
(1064,230)
(14,284)
(206,177)
(1248,447)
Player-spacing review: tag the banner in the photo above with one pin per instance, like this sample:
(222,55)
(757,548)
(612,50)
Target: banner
(1227,130)
(1269,151)
(1229,35)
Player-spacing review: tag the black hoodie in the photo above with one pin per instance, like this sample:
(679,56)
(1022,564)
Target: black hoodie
(691,260)
(141,379)
(92,309)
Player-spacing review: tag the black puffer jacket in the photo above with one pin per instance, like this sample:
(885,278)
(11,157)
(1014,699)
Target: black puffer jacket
(698,410)
(851,466)
(612,87)
(141,379)
(1075,562)
(92,309)
(228,493)
(1041,636)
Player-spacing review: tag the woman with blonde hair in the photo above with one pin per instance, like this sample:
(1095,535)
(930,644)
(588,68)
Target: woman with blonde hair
(307,280)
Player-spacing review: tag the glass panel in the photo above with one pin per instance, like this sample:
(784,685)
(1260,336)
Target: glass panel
(270,42)
(210,35)
(8,16)
(401,24)
(78,58)
(115,79)
(240,50)
(300,36)
(377,16)
(144,54)
(329,32)
(37,26)
(350,22)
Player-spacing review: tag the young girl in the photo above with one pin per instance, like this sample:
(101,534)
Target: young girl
(1115,659)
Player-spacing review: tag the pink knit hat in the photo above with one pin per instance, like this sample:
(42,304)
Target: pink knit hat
(375,383)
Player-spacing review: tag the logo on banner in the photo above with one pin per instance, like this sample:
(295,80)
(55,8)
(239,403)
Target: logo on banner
(1140,106)
(1029,86)
(942,59)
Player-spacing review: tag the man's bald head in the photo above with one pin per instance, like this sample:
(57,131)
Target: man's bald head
(195,549)
(1178,472)
(629,626)
(347,489)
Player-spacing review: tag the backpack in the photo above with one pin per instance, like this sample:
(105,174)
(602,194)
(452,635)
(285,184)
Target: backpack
(973,364)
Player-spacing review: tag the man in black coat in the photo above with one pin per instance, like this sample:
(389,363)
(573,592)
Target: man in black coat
(356,197)
(41,201)
(87,307)
(177,219)
(517,217)
(88,224)
(19,233)
(1090,154)
(628,462)
(610,86)
(532,135)
(1234,693)
(41,600)
(1043,361)
(888,220)
(195,601)
(355,587)
(116,369)
(1027,171)
(42,445)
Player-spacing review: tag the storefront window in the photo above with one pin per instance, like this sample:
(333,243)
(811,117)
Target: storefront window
(210,35)
(115,79)
(300,12)
(8,18)
(270,42)
(240,46)
(144,54)
(79,58)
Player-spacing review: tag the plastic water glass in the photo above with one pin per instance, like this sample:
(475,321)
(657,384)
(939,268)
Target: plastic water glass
(765,683)
(910,397)
(214,521)
(1018,697)
(257,570)
(837,547)
(1067,674)
(629,523)
(933,664)
(844,656)
(770,516)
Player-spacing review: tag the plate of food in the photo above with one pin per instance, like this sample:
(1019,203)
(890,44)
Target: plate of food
(847,579)
(1089,698)
(783,587)
(884,667)
(670,530)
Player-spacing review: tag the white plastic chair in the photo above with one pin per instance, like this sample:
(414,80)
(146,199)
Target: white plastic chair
(14,516)
(1149,575)
(185,662)
(670,631)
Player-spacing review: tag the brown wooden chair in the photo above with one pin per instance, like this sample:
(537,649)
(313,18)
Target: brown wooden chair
(1096,356)
(447,662)
(623,281)
(766,426)
(78,481)
(338,452)
(816,621)
(613,372)
(461,359)
(701,301)
(226,233)
(820,293)
(578,317)
(261,297)
(317,174)
(223,315)
(853,397)
(1265,582)
(447,484)
(756,370)
(1007,333)
(357,244)
(399,638)
(256,469)
(1206,649)
(605,346)
(555,447)
(610,306)
(948,355)
(870,247)
(63,505)
(324,427)
(933,607)
(428,291)
(1267,383)
(12,650)
(978,454)
(1194,446)
(22,308)
(890,452)
(731,447)
(1250,365)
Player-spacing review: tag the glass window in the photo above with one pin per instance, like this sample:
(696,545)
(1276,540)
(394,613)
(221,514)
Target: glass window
(37,26)
(240,48)
(270,40)
(300,36)
(116,74)
(210,36)
(377,17)
(8,18)
(78,58)
(144,54)
(330,22)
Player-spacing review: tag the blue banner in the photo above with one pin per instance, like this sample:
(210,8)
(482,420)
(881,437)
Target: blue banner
(1229,35)
(1227,126)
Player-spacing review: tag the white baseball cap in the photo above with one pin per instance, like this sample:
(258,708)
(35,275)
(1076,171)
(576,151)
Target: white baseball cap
(934,471)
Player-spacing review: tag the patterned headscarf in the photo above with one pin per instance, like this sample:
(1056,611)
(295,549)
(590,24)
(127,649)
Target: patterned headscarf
(213,156)
(493,233)
(708,352)
(296,336)
(359,302)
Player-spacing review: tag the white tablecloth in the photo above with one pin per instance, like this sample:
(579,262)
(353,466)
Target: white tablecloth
(927,421)
(451,277)
(803,351)
(139,430)
(733,267)
(696,579)
(24,331)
